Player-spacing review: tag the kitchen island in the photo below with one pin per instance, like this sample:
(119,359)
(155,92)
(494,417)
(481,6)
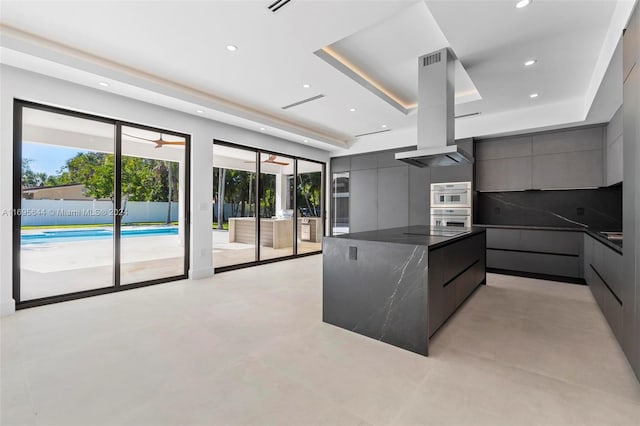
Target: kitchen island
(400,285)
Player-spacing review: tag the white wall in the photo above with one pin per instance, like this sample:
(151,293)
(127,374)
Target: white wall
(20,84)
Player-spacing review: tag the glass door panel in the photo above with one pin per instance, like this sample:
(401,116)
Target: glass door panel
(309,203)
(340,203)
(276,208)
(234,206)
(152,233)
(66,234)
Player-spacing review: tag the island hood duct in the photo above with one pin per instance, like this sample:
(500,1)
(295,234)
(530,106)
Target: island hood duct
(436,128)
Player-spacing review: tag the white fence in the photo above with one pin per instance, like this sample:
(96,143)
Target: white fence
(84,212)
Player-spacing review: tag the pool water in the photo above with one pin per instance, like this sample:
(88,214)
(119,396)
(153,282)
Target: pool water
(84,234)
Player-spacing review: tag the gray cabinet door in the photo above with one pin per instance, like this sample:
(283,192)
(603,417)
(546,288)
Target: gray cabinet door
(631,198)
(436,304)
(506,174)
(551,241)
(364,200)
(587,139)
(581,169)
(613,313)
(393,197)
(614,155)
(614,170)
(493,149)
(503,238)
(340,164)
(419,196)
(364,161)
(461,173)
(388,159)
(588,258)
(612,271)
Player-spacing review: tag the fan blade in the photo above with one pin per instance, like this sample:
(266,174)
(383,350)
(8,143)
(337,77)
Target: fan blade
(138,137)
(279,162)
(171,143)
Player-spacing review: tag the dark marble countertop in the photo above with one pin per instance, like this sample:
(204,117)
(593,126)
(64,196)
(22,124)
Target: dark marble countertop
(413,235)
(615,245)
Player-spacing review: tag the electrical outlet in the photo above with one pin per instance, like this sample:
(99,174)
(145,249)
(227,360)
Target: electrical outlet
(353,253)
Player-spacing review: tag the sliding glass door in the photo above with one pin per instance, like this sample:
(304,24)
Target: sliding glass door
(234,206)
(276,206)
(310,203)
(66,240)
(99,205)
(265,206)
(152,195)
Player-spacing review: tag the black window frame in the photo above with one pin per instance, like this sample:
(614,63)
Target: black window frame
(323,209)
(18,106)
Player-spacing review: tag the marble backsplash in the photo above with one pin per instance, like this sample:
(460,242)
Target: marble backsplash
(599,209)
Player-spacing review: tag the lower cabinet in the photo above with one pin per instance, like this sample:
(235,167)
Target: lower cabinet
(454,273)
(602,272)
(555,253)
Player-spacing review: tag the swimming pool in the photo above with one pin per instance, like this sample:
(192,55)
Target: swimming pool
(84,234)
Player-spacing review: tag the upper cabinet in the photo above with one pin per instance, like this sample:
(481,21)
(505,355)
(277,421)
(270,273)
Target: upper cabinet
(613,151)
(551,160)
(568,159)
(503,164)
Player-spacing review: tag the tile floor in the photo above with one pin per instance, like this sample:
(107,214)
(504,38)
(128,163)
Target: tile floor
(248,348)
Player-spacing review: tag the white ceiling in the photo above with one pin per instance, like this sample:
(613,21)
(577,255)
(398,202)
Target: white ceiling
(180,47)
(60,130)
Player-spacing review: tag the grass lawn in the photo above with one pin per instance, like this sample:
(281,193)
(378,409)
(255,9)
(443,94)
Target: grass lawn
(225,225)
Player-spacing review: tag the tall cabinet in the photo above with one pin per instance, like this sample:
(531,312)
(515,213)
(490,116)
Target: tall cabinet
(631,190)
(387,193)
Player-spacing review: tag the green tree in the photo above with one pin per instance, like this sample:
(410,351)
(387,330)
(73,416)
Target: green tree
(31,179)
(309,190)
(142,179)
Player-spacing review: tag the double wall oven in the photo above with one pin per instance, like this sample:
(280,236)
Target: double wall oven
(451,204)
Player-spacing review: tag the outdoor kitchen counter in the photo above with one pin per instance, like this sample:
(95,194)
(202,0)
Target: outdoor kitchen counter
(400,285)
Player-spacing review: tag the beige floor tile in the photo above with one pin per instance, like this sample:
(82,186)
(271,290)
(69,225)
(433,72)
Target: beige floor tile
(465,389)
(331,362)
(249,347)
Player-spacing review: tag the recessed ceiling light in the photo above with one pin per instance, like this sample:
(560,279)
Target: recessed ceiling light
(199,111)
(306,86)
(104,84)
(262,129)
(523,3)
(530,62)
(533,95)
(352,109)
(231,48)
(384,126)
(306,141)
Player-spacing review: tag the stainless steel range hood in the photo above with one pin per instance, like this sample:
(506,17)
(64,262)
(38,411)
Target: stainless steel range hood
(436,128)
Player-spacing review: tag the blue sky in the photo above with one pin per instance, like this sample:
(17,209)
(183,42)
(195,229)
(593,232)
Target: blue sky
(47,158)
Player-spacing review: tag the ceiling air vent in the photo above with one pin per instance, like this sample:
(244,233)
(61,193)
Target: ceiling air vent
(276,5)
(467,115)
(431,59)
(372,133)
(304,101)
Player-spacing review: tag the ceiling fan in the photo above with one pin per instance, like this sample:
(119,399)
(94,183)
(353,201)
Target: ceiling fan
(159,142)
(271,160)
